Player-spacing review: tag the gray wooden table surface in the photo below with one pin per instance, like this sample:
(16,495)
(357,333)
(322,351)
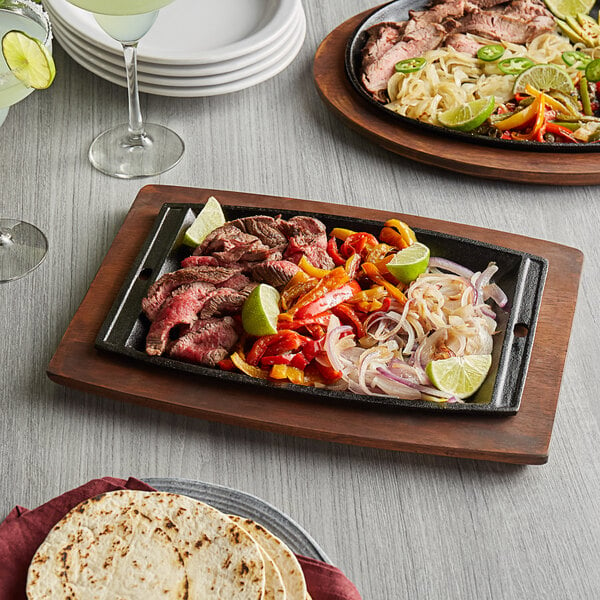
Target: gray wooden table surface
(400,525)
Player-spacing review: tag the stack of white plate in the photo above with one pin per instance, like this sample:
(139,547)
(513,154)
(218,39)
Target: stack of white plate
(195,48)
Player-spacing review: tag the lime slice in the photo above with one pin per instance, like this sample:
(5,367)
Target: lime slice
(468,116)
(569,8)
(260,311)
(459,376)
(544,78)
(210,217)
(28,59)
(409,263)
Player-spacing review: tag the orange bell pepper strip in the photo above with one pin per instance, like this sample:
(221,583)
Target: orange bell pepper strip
(397,233)
(372,272)
(352,265)
(539,121)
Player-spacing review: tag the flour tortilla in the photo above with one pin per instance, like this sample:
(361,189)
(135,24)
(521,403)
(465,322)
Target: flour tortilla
(289,567)
(134,545)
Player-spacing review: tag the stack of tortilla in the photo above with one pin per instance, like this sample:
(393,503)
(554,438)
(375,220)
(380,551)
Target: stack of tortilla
(136,545)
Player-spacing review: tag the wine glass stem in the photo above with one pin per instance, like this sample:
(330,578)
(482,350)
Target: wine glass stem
(5,237)
(136,124)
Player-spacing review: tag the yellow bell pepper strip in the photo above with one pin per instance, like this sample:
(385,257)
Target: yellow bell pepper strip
(538,126)
(311,270)
(293,374)
(340,233)
(372,272)
(352,265)
(244,367)
(519,119)
(374,293)
(328,300)
(368,307)
(294,291)
(550,101)
(334,279)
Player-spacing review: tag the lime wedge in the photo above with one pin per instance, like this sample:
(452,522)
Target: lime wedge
(260,311)
(569,8)
(468,116)
(460,376)
(409,263)
(28,59)
(544,78)
(210,217)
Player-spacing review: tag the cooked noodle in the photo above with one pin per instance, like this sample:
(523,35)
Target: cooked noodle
(453,78)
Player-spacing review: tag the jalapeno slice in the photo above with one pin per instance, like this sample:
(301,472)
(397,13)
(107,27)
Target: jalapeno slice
(411,65)
(574,58)
(515,65)
(490,52)
(592,71)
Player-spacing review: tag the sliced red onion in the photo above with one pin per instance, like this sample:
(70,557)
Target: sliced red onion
(451,266)
(422,388)
(497,295)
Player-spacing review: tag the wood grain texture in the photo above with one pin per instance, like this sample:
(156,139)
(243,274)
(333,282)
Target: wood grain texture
(429,148)
(523,438)
(401,525)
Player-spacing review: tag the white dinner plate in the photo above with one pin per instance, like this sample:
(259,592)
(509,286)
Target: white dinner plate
(115,56)
(80,52)
(194,91)
(192,32)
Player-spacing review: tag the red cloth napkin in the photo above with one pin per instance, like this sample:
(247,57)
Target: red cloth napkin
(24,530)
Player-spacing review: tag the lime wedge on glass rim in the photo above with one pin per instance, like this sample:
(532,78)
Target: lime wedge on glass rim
(459,376)
(544,78)
(28,59)
(210,217)
(569,8)
(260,311)
(409,263)
(468,116)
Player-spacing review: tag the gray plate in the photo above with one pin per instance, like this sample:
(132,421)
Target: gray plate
(232,501)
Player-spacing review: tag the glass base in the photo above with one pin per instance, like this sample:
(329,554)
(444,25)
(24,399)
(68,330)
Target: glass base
(22,248)
(118,154)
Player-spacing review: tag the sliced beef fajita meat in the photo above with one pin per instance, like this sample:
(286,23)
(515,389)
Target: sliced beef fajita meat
(227,236)
(161,289)
(377,74)
(316,255)
(200,261)
(380,38)
(511,27)
(180,309)
(237,282)
(275,272)
(222,301)
(437,14)
(267,229)
(208,344)
(461,42)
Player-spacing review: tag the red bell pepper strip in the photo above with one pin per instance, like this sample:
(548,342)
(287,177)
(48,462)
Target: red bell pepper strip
(348,315)
(562,131)
(299,361)
(356,243)
(282,359)
(320,320)
(226,364)
(329,374)
(332,250)
(312,348)
(328,300)
(271,345)
(333,280)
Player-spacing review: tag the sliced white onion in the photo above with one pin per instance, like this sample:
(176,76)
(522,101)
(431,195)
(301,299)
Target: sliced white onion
(451,266)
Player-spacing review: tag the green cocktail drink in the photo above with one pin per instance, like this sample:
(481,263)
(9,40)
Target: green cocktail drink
(135,149)
(11,89)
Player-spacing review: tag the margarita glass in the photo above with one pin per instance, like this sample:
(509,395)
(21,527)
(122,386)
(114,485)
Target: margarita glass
(22,245)
(134,149)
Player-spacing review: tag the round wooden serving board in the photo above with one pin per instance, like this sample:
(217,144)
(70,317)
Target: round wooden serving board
(410,142)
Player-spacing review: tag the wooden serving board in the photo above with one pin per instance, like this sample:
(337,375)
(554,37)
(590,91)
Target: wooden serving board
(523,438)
(463,157)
